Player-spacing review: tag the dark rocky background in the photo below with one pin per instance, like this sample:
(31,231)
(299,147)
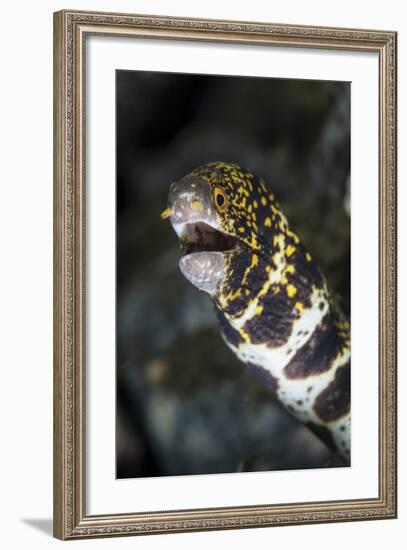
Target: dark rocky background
(185,405)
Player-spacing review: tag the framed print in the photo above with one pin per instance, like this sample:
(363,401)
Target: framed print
(224,250)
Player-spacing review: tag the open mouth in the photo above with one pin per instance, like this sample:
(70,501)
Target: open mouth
(201,237)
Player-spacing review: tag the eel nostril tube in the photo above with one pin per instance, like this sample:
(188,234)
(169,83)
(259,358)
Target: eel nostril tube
(166,214)
(196,204)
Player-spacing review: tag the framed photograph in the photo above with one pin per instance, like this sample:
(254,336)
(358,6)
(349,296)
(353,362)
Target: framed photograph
(225,249)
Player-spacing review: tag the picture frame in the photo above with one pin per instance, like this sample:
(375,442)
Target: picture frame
(72,30)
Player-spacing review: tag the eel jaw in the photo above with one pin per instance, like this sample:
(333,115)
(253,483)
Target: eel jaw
(204,250)
(194,218)
(205,270)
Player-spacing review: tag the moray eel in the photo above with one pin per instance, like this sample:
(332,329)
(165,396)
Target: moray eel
(273,305)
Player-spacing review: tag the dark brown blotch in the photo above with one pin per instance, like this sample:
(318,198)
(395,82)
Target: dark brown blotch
(334,401)
(273,326)
(324,434)
(263,376)
(231,335)
(318,353)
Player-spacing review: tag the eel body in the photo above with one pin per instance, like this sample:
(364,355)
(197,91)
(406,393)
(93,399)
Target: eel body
(274,308)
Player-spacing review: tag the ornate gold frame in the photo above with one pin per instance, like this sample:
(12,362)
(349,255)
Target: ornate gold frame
(70,31)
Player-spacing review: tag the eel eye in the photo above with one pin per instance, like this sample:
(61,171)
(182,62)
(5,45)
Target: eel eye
(220,199)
